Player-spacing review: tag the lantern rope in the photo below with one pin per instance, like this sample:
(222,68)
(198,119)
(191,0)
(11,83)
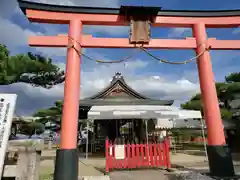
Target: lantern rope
(145,50)
(175,62)
(102,61)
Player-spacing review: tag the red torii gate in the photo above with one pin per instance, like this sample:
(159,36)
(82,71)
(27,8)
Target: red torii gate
(66,168)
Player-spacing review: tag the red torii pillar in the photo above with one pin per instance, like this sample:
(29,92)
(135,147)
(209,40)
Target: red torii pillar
(219,156)
(66,167)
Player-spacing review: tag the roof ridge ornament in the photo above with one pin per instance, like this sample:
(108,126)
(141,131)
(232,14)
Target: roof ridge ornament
(118,75)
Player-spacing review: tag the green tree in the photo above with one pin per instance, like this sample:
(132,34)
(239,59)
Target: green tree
(54,115)
(30,127)
(226,91)
(194,103)
(28,68)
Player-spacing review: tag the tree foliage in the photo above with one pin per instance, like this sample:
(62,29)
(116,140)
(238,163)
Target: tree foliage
(29,127)
(226,92)
(28,68)
(233,77)
(194,103)
(54,115)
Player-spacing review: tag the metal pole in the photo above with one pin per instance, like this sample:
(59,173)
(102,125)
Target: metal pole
(116,129)
(204,139)
(133,133)
(174,137)
(87,142)
(146,124)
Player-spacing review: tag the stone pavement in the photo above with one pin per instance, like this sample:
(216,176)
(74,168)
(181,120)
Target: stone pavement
(132,175)
(183,159)
(93,168)
(96,166)
(139,175)
(179,158)
(47,166)
(86,167)
(199,163)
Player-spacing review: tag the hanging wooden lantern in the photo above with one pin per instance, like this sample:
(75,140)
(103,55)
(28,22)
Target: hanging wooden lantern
(140,31)
(140,19)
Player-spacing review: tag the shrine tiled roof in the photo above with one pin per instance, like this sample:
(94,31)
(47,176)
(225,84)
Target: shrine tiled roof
(118,92)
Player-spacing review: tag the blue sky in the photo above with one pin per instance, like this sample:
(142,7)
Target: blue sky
(163,81)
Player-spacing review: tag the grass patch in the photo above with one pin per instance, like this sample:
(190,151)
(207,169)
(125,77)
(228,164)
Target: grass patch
(46,177)
(46,173)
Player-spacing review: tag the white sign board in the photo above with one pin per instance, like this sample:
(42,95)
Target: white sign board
(7,106)
(111,151)
(119,152)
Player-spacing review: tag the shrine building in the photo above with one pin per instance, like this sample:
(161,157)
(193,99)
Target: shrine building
(120,113)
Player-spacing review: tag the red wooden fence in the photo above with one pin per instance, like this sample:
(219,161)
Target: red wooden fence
(137,155)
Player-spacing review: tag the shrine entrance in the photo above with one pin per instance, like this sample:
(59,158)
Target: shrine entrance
(116,129)
(140,20)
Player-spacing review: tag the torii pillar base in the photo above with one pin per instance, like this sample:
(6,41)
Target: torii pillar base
(66,166)
(220,161)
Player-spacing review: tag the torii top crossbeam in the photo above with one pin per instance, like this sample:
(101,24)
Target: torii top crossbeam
(45,13)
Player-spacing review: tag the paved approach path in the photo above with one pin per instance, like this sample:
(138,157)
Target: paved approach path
(95,166)
(139,175)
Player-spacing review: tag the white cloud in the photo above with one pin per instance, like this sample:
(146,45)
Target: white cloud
(96,77)
(110,30)
(91,3)
(179,32)
(13,35)
(191,75)
(50,52)
(8,7)
(159,86)
(135,64)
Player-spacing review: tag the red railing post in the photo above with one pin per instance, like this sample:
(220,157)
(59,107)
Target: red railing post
(134,162)
(146,162)
(138,155)
(128,155)
(125,164)
(142,154)
(138,159)
(164,153)
(107,155)
(150,155)
(160,154)
(155,162)
(113,157)
(167,153)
